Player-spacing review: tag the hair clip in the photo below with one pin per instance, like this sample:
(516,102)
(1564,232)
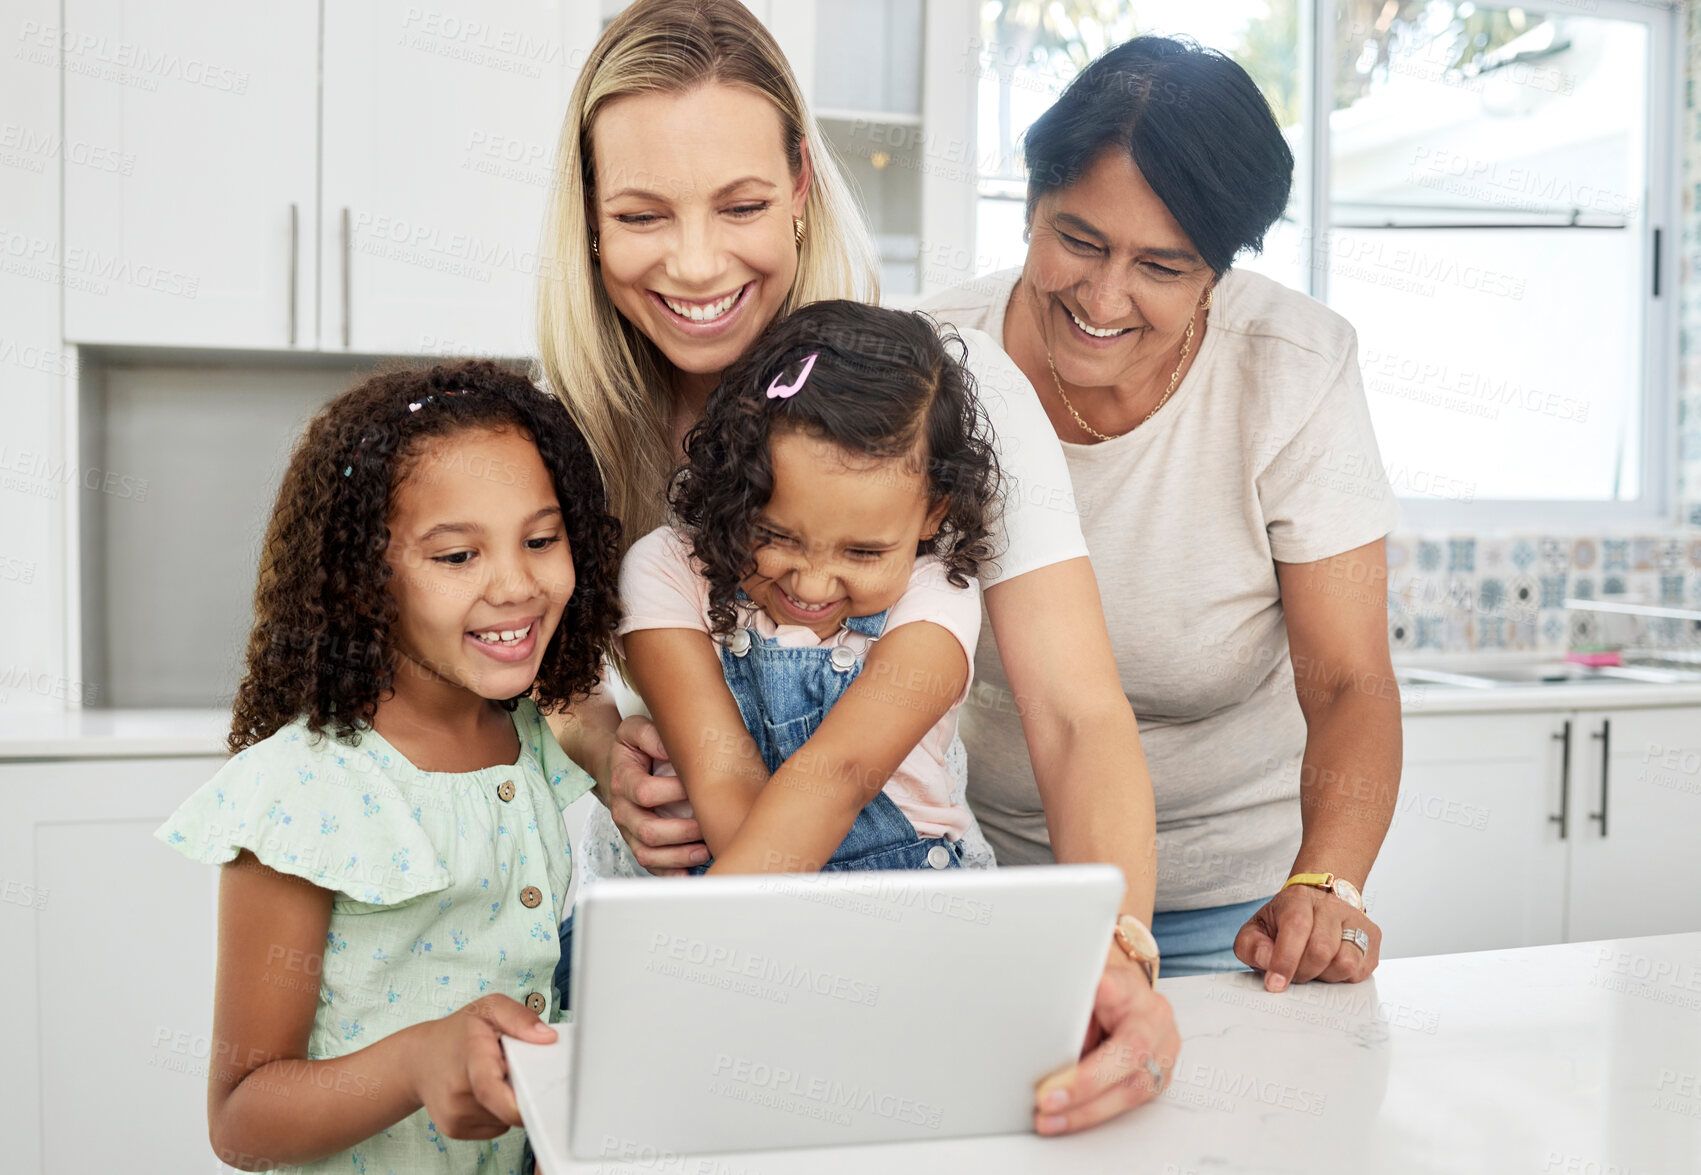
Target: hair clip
(783,391)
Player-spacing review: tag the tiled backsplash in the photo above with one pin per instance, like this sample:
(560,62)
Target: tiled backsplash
(1490,594)
(1458,593)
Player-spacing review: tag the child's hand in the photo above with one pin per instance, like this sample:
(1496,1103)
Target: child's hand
(459,1073)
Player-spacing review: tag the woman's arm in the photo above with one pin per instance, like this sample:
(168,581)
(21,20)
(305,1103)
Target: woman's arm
(267,1105)
(678,673)
(912,677)
(1336,611)
(1084,746)
(1083,742)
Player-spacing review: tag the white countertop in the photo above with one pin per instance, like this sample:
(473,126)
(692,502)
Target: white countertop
(112,734)
(1583,1059)
(1418,699)
(109,734)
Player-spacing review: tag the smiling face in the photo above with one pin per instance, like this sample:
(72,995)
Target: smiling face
(1110,278)
(693,208)
(481,568)
(840,533)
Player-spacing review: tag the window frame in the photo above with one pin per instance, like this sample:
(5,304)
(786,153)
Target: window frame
(1657,505)
(1658,502)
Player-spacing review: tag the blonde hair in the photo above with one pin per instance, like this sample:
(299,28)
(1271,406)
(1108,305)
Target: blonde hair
(615,382)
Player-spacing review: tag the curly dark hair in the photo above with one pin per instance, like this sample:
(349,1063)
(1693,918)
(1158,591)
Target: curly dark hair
(324,619)
(884,385)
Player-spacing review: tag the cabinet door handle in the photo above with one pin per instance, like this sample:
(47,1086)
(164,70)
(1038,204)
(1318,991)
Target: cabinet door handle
(348,251)
(1605,735)
(1563,816)
(294,264)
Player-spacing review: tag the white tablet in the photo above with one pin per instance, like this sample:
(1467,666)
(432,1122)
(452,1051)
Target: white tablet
(740,1013)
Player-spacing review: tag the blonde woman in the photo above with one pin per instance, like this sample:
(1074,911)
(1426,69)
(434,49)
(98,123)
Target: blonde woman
(691,210)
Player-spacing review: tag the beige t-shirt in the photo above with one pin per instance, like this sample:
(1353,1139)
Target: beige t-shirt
(1264,454)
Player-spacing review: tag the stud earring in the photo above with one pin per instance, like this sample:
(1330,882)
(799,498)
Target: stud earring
(596,246)
(797,230)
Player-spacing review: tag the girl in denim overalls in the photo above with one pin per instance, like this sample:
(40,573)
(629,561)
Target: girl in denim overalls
(804,635)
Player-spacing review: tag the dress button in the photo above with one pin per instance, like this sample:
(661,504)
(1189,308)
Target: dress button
(530,897)
(842,658)
(505,790)
(738,643)
(939,857)
(536,1002)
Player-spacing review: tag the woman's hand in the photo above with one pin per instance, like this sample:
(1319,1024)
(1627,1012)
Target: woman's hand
(1296,937)
(1131,1024)
(666,846)
(459,1073)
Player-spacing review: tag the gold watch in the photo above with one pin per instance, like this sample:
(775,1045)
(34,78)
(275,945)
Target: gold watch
(1339,886)
(1138,944)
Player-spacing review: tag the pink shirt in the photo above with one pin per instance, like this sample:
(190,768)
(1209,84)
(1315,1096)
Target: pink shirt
(662,586)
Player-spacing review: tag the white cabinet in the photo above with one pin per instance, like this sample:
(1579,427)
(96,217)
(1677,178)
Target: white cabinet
(372,183)
(1499,838)
(109,940)
(191,173)
(1635,823)
(439,136)
(1472,860)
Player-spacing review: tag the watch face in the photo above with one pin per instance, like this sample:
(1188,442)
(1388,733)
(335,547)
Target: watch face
(1347,891)
(1141,938)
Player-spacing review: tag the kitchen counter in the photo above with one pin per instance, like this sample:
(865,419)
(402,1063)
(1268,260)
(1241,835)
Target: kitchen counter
(1583,1059)
(112,734)
(1424,698)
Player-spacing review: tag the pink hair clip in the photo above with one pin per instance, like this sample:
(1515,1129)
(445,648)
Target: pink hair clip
(784,391)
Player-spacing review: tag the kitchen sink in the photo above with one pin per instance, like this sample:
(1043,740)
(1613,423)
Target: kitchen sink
(1499,674)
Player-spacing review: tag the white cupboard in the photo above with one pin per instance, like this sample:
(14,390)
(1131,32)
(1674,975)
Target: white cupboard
(1635,824)
(109,939)
(1471,860)
(1499,838)
(364,177)
(191,219)
(439,135)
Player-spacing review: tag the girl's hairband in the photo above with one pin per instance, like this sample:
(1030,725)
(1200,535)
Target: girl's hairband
(780,390)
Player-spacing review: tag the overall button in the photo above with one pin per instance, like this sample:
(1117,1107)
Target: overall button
(536,1002)
(738,643)
(530,897)
(938,857)
(505,790)
(842,658)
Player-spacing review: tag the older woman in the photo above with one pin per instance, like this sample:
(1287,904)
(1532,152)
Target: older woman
(690,212)
(1229,488)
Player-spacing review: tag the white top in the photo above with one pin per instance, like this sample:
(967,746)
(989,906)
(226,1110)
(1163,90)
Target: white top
(1566,1060)
(1039,525)
(662,586)
(1264,454)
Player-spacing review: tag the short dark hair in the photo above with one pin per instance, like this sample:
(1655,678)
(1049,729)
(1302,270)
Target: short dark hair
(323,642)
(1197,127)
(883,385)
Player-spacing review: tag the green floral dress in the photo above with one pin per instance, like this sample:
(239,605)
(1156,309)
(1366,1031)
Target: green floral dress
(448,887)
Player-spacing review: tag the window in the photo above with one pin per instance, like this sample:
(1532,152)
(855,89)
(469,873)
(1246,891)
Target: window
(1489,203)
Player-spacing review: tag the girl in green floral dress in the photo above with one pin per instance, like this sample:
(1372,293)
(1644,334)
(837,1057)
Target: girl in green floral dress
(439,569)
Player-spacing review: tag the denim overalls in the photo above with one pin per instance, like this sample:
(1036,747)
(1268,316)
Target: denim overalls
(783,694)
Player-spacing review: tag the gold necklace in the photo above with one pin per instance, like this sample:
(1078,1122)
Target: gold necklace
(1174,379)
